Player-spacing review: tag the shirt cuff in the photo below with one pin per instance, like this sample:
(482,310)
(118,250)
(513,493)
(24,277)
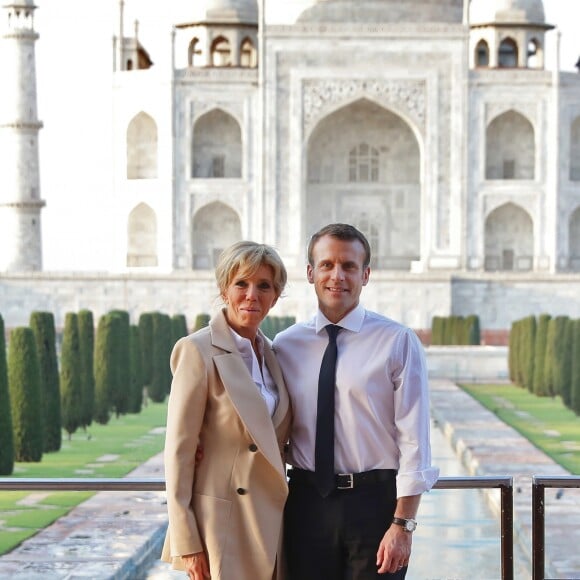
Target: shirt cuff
(416,482)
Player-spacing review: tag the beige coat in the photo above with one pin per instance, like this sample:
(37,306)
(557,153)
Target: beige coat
(231,504)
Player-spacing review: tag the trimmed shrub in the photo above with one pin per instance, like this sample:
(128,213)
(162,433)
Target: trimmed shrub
(540,383)
(527,344)
(70,375)
(472,330)
(146,338)
(178,327)
(6,436)
(87,353)
(555,352)
(512,351)
(575,386)
(437,330)
(122,385)
(105,370)
(201,321)
(272,325)
(25,401)
(42,325)
(565,365)
(135,371)
(162,346)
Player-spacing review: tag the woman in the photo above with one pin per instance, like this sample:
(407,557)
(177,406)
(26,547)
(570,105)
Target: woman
(228,396)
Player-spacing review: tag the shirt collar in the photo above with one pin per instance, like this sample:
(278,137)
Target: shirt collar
(245,345)
(352,321)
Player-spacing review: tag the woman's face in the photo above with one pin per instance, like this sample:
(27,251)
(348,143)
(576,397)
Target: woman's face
(249,299)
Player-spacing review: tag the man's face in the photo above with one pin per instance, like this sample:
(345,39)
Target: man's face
(338,275)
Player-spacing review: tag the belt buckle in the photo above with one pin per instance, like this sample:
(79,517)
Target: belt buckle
(350,483)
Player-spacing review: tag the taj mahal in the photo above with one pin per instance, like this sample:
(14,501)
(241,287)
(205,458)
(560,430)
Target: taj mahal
(434,126)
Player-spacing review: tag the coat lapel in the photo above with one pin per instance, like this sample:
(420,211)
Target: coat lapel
(244,394)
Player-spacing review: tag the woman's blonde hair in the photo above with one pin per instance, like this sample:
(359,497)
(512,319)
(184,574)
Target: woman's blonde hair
(245,258)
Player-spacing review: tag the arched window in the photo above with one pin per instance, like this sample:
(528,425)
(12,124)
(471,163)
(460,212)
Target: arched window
(482,54)
(142,148)
(248,56)
(363,164)
(142,237)
(508,54)
(534,54)
(195,56)
(510,148)
(221,52)
(217,146)
(370,228)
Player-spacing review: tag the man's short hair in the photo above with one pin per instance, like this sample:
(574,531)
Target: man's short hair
(344,232)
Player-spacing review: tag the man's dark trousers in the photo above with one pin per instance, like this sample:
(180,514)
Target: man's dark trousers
(337,537)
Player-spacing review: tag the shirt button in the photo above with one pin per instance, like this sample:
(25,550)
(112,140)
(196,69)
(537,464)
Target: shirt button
(253,448)
(241,491)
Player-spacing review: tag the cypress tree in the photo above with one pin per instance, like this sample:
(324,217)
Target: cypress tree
(42,325)
(473,330)
(178,327)
(554,354)
(161,381)
(122,385)
(105,371)
(201,321)
(6,436)
(25,401)
(512,350)
(87,353)
(565,364)
(135,371)
(575,387)
(528,343)
(540,383)
(70,375)
(146,338)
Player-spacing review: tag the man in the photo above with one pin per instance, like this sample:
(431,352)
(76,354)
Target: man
(360,526)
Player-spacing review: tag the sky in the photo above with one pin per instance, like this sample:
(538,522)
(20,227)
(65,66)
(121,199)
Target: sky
(74,79)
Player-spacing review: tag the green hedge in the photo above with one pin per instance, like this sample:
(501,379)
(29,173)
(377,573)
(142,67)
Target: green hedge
(575,374)
(121,386)
(272,325)
(25,401)
(455,330)
(146,338)
(162,346)
(540,383)
(135,371)
(105,370)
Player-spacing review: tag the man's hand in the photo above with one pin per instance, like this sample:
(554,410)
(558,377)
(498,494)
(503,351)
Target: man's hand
(394,550)
(196,566)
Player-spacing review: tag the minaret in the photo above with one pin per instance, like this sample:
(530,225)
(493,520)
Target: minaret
(20,203)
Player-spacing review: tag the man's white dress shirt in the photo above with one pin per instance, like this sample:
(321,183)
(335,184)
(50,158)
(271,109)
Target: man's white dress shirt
(381,399)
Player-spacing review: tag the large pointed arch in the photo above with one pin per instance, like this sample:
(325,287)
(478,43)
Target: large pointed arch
(509,239)
(215,227)
(142,147)
(217,146)
(510,147)
(142,237)
(364,167)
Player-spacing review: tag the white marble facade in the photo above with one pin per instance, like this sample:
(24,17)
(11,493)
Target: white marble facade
(434,126)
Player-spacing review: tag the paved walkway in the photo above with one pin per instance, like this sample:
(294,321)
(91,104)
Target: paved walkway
(116,535)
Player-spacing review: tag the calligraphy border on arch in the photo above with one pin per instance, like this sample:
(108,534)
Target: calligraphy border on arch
(321,97)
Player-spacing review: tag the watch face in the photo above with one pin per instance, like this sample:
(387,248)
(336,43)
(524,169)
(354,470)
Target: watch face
(410,525)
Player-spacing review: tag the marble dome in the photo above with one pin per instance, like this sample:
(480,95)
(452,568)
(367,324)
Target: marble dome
(506,11)
(224,11)
(377,11)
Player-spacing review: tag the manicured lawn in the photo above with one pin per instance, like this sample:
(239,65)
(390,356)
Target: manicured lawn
(111,450)
(544,421)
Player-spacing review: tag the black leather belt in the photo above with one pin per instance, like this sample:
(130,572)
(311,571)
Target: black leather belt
(346,480)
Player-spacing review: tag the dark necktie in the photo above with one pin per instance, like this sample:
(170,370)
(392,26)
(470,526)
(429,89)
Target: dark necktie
(324,445)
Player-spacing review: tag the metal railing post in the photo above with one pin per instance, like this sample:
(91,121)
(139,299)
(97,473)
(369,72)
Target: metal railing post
(538,527)
(507,531)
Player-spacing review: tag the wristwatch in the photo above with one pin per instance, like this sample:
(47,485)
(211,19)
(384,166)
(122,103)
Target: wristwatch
(409,525)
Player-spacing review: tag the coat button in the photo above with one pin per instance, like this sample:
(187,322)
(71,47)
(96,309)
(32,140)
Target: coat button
(241,491)
(253,448)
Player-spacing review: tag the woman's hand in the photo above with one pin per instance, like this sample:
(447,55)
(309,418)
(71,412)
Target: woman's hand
(196,566)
